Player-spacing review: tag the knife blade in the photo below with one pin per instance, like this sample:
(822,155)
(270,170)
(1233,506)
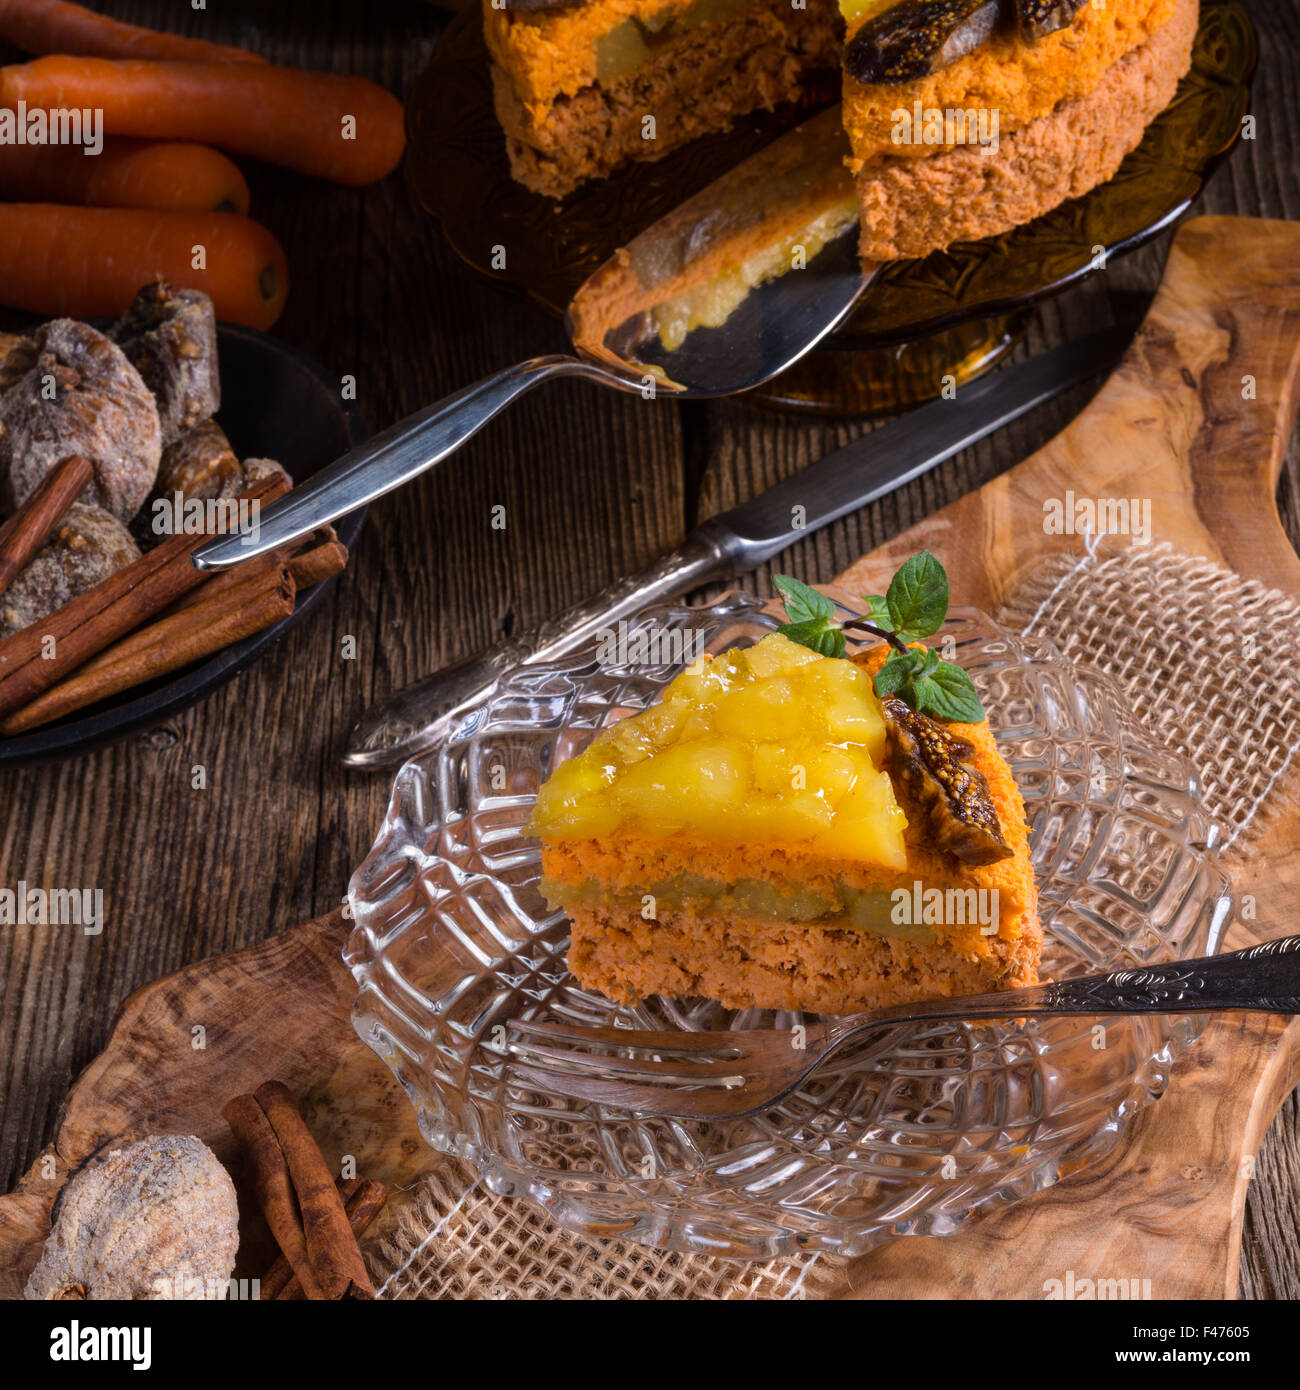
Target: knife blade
(743,538)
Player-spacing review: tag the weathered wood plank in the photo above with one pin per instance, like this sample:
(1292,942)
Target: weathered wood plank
(593,485)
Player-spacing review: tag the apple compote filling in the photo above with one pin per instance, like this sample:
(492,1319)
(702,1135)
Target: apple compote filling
(711,305)
(774,744)
(866,909)
(631,44)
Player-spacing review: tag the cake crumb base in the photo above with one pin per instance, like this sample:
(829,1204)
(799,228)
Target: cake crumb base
(773,965)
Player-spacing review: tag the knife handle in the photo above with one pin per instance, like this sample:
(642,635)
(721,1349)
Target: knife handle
(418,716)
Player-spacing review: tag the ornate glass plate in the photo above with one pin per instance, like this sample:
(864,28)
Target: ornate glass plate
(916,1131)
(458,170)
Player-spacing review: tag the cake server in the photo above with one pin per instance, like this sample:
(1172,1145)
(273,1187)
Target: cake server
(741,539)
(616,331)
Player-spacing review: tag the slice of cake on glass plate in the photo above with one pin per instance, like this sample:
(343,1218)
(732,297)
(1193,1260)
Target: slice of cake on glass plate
(783,831)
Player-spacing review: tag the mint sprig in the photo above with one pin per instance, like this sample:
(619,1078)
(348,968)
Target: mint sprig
(914,607)
(917,600)
(812,617)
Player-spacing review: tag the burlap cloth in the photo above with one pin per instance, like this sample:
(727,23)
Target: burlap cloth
(1210,663)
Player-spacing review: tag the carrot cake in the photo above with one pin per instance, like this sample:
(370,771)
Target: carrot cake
(963,117)
(775,834)
(582,86)
(1013,129)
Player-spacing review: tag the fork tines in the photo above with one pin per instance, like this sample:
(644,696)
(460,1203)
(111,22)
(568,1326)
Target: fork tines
(591,1053)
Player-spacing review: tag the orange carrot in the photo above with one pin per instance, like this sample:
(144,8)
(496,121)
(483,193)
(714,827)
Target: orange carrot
(342,128)
(170,175)
(89,262)
(54,26)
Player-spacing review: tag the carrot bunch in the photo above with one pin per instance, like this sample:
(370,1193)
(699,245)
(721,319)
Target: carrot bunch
(162,198)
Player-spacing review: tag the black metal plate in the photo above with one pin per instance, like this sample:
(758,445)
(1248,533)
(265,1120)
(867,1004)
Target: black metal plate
(275,403)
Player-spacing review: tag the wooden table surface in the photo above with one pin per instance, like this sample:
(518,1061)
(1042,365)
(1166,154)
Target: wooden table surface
(595,484)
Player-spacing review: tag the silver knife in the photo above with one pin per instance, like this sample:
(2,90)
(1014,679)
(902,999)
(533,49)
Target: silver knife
(742,539)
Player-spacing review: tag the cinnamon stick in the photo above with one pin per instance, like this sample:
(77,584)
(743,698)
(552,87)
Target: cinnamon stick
(225,580)
(335,1256)
(363,1200)
(271,1185)
(22,536)
(307,563)
(39,656)
(164,646)
(322,562)
(320,557)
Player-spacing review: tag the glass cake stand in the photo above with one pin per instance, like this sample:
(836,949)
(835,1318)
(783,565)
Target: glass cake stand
(954,313)
(916,1131)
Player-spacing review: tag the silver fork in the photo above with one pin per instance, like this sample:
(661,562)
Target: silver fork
(722,1075)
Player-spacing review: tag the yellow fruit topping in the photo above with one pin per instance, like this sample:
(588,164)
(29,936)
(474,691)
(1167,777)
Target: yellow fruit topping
(774,743)
(857,10)
(711,304)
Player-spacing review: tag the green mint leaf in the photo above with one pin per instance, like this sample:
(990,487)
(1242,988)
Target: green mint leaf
(897,674)
(924,692)
(949,694)
(877,613)
(817,635)
(918,597)
(802,602)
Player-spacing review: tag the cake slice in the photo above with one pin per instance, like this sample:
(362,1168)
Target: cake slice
(991,139)
(582,86)
(773,834)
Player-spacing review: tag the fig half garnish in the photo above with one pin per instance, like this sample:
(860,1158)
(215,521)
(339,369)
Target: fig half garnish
(918,37)
(1035,19)
(935,769)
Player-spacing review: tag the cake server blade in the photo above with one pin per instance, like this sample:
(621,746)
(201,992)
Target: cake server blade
(739,540)
(614,327)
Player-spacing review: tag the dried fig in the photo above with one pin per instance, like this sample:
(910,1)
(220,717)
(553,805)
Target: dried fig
(171,338)
(935,768)
(1035,19)
(201,466)
(70,390)
(918,37)
(86,548)
(155,1220)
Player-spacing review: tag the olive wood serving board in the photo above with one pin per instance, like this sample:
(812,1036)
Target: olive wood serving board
(1171,425)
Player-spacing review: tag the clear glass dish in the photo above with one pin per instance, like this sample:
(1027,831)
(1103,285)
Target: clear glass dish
(916,1131)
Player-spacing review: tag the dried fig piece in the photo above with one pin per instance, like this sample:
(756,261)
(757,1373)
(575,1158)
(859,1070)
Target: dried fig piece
(155,1220)
(202,466)
(256,470)
(934,767)
(87,546)
(1035,19)
(171,338)
(918,37)
(200,463)
(70,390)
(9,341)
